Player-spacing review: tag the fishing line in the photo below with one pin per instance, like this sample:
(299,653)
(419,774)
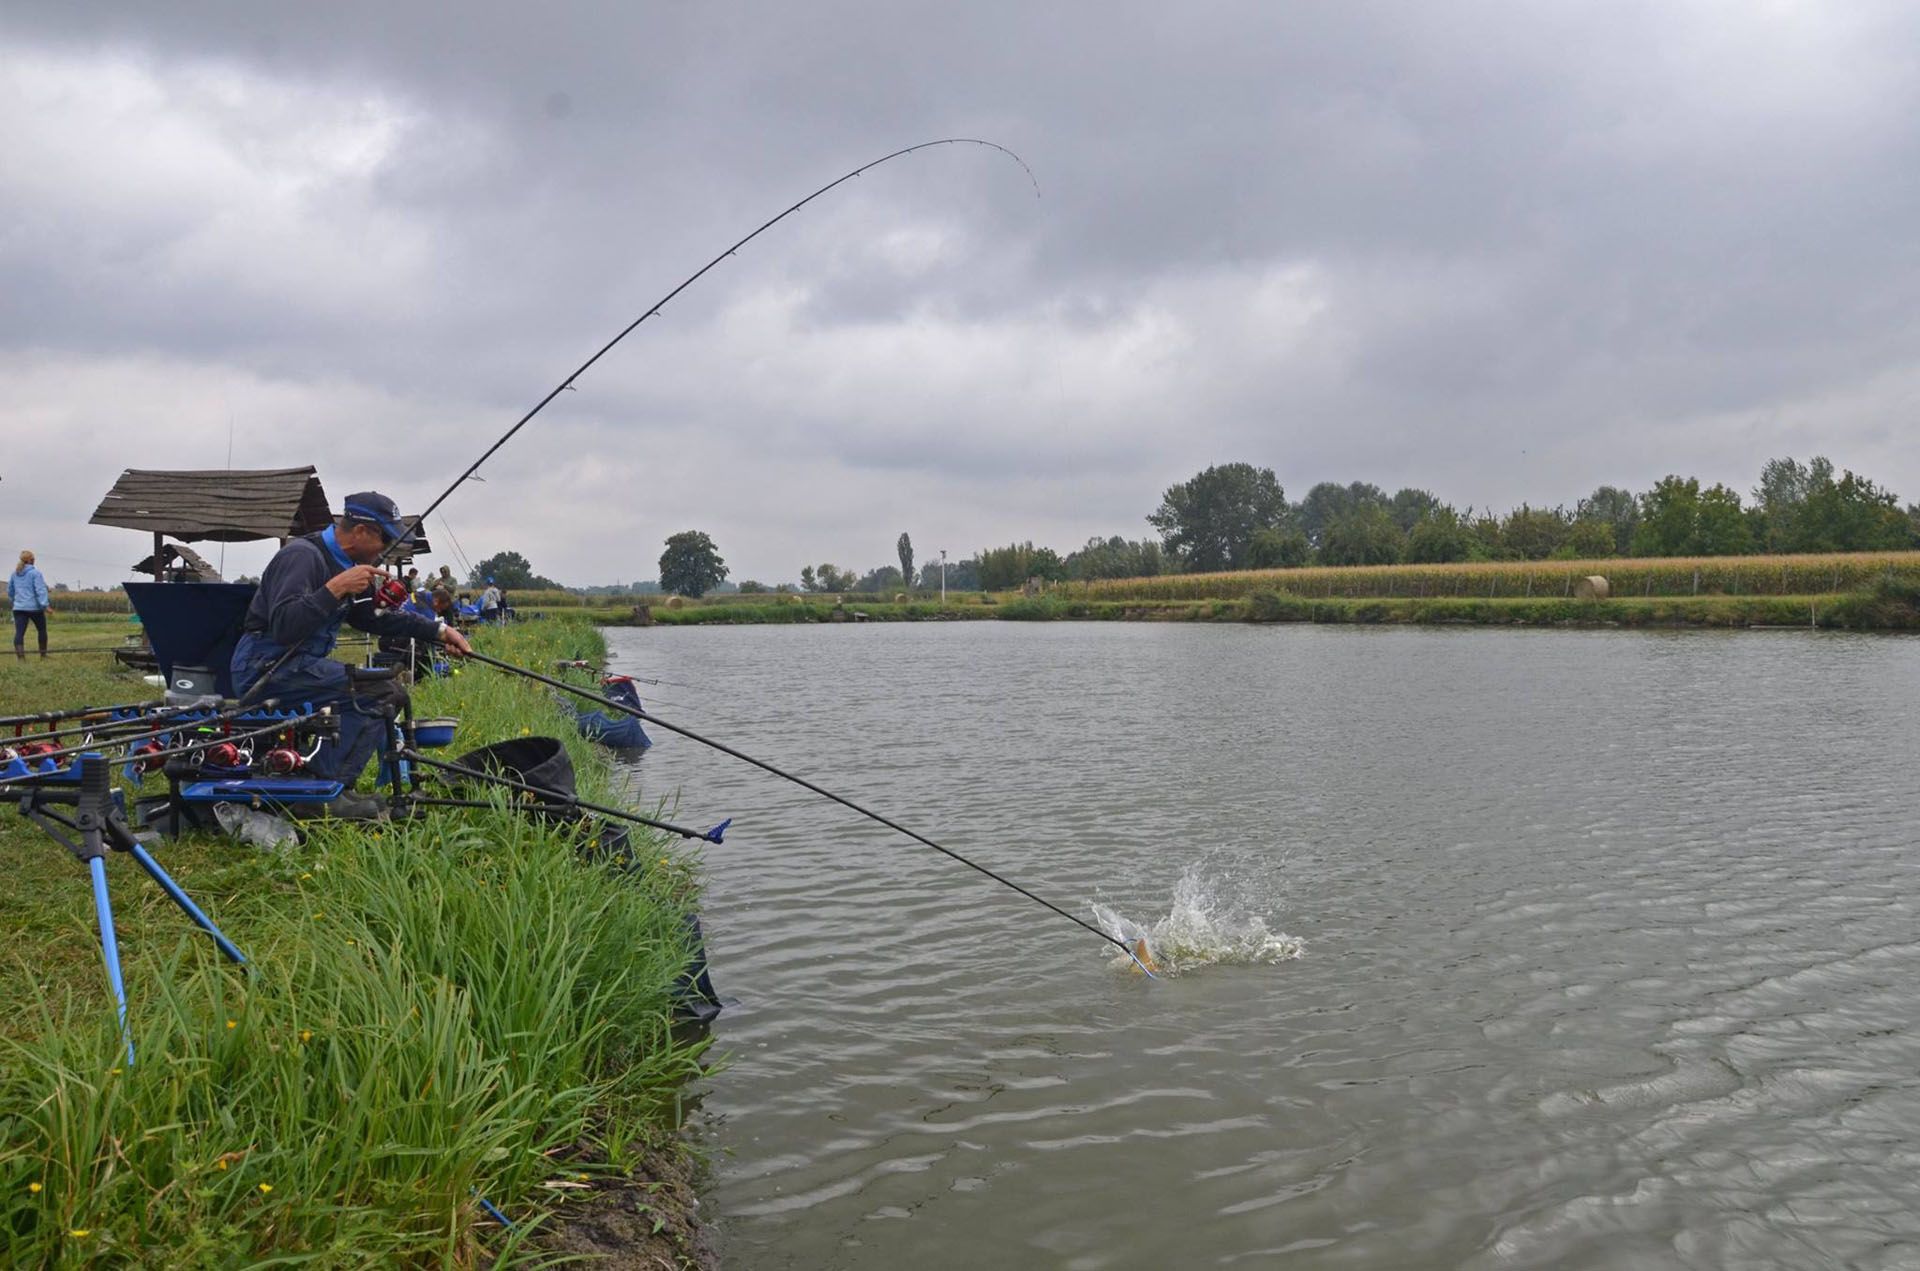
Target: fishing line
(652,310)
(455,542)
(725,749)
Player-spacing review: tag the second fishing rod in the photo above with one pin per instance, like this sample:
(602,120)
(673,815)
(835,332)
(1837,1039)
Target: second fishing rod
(1137,950)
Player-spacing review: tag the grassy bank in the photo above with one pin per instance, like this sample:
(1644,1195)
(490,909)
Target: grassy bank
(1647,578)
(439,1010)
(1870,611)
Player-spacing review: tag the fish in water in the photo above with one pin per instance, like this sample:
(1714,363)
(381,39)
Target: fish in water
(1142,958)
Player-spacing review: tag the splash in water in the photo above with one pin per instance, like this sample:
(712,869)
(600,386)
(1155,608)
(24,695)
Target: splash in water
(1201,930)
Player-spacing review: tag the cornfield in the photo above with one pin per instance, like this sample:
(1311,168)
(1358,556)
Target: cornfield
(1664,576)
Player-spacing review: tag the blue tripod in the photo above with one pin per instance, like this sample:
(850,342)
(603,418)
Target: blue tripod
(101,826)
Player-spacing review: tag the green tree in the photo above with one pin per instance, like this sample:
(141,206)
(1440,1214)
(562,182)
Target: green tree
(1588,538)
(1782,495)
(1207,522)
(1411,506)
(748,587)
(1326,502)
(1848,515)
(1678,518)
(1531,533)
(1722,528)
(884,578)
(807,581)
(1438,538)
(508,570)
(904,546)
(1363,534)
(962,575)
(1115,557)
(1004,568)
(691,565)
(1617,508)
(1275,548)
(1668,514)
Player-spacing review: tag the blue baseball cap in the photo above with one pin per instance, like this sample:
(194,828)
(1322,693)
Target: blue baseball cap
(370,507)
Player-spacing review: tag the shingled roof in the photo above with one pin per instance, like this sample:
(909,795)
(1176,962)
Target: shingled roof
(226,505)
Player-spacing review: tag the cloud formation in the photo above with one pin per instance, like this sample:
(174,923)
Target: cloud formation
(1504,251)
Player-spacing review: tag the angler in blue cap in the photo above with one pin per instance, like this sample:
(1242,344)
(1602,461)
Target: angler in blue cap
(309,588)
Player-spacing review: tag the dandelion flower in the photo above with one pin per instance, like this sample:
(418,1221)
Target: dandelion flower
(34,1188)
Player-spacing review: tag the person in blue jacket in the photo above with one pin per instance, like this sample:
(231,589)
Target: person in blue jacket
(27,593)
(308,589)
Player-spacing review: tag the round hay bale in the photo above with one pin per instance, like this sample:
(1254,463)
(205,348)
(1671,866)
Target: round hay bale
(676,602)
(1592,587)
(899,597)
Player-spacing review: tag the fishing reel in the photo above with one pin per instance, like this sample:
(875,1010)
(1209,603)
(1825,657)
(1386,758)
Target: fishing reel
(226,754)
(283,761)
(391,594)
(146,757)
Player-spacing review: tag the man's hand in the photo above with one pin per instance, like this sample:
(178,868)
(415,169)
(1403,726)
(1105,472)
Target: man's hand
(454,642)
(354,581)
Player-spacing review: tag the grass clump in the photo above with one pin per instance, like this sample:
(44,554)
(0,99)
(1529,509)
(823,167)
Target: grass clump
(438,1010)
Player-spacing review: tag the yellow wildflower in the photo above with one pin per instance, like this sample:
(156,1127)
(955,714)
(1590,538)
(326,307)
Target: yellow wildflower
(306,1034)
(233,1023)
(80,1233)
(221,1163)
(265,1188)
(34,1188)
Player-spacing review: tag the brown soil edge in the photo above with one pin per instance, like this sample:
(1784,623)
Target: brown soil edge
(648,1220)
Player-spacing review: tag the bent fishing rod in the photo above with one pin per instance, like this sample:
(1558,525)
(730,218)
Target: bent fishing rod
(393,548)
(1136,954)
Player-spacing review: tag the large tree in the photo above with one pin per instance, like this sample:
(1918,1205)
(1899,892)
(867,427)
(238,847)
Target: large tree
(1004,568)
(691,565)
(1330,500)
(1208,521)
(905,547)
(508,570)
(1362,534)
(1618,508)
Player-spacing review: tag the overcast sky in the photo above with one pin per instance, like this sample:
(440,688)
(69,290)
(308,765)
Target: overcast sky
(1504,252)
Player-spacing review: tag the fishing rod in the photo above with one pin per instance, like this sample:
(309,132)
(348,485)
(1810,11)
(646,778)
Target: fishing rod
(166,753)
(1138,954)
(391,550)
(581,664)
(692,278)
(74,712)
(553,799)
(132,727)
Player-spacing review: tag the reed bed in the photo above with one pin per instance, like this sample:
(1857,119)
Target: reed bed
(1841,573)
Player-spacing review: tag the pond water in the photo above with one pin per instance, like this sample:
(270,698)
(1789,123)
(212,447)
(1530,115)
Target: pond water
(1497,949)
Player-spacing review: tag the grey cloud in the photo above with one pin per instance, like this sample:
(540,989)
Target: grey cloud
(1682,227)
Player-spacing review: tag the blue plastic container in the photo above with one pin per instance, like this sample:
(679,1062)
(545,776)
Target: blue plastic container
(434,733)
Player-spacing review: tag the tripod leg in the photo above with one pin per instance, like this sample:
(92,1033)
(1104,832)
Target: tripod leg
(103,909)
(186,905)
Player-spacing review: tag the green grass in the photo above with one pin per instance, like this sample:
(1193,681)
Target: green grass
(442,1009)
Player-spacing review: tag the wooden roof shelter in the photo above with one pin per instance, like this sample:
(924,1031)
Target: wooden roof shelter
(226,505)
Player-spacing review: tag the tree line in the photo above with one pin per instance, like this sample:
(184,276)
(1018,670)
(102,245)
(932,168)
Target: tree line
(1237,516)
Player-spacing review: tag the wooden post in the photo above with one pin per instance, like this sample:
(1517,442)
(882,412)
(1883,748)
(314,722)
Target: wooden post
(159,570)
